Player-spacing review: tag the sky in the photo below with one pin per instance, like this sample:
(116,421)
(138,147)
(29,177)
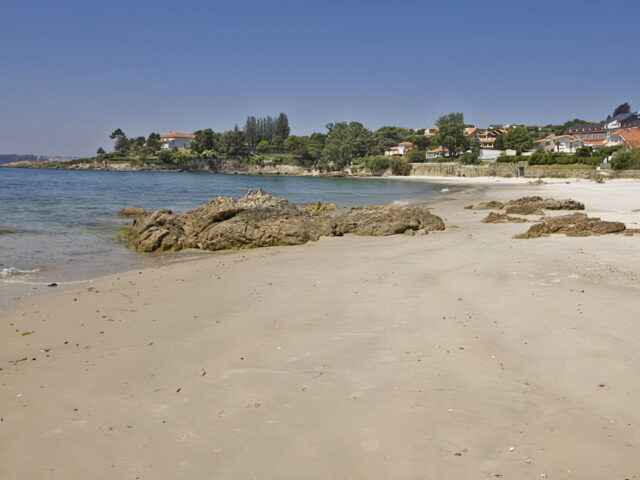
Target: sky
(73,71)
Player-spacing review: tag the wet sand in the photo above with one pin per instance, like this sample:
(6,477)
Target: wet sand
(460,354)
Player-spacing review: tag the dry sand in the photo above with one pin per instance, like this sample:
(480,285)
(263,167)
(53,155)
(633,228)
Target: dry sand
(462,354)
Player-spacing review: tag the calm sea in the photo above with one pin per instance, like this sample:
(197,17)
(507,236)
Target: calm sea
(60,225)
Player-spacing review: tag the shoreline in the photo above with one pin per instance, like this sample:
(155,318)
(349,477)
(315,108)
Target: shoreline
(459,354)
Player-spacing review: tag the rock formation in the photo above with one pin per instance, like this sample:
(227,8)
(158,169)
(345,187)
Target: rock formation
(502,218)
(529,205)
(260,220)
(574,225)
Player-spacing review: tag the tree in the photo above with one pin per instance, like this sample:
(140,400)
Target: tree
(122,145)
(416,156)
(316,145)
(153,142)
(205,140)
(518,139)
(100,151)
(232,142)
(474,146)
(345,142)
(251,131)
(451,134)
(263,146)
(117,133)
(297,145)
(498,143)
(399,166)
(624,108)
(282,126)
(165,156)
(388,136)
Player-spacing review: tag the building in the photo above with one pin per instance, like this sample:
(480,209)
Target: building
(588,131)
(626,136)
(436,153)
(559,144)
(431,131)
(623,120)
(179,141)
(402,149)
(487,137)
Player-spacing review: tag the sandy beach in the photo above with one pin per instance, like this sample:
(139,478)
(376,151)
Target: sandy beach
(462,354)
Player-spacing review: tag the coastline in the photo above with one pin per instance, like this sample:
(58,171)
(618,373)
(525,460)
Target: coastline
(394,357)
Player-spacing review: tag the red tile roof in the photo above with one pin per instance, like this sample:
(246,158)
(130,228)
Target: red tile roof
(631,136)
(178,135)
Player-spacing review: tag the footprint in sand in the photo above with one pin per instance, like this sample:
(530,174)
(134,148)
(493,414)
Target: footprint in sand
(51,433)
(371,443)
(185,436)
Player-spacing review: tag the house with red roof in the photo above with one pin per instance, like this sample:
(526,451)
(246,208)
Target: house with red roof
(402,149)
(626,136)
(176,140)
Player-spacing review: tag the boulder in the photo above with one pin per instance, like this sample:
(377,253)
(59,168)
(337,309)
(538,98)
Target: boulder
(502,218)
(260,220)
(387,220)
(321,207)
(132,212)
(525,209)
(574,225)
(529,205)
(492,205)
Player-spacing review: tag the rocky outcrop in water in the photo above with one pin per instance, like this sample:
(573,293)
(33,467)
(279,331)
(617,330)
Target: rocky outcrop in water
(260,220)
(132,212)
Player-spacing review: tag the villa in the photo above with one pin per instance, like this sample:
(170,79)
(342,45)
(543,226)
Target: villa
(401,149)
(628,136)
(560,144)
(176,140)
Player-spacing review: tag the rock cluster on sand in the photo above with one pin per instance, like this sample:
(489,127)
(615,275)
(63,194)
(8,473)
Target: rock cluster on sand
(574,225)
(529,205)
(260,220)
(502,218)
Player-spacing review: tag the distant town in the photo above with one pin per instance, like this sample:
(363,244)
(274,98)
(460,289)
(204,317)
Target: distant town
(349,147)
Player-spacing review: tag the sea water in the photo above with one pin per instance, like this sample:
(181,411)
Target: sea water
(61,225)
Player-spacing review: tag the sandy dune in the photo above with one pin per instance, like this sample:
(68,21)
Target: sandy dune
(461,354)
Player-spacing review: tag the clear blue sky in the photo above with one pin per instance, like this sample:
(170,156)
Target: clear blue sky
(73,71)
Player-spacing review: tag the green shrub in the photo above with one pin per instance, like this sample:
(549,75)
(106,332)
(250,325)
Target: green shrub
(376,163)
(165,156)
(263,146)
(628,160)
(416,156)
(469,158)
(400,166)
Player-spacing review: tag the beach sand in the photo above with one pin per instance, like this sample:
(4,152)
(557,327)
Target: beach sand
(460,354)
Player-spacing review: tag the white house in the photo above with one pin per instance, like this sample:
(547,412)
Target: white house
(402,149)
(179,141)
(431,131)
(560,144)
(489,154)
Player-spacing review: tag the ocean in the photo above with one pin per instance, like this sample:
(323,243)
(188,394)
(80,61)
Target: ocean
(61,225)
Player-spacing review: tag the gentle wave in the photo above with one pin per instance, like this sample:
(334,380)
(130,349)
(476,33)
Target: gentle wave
(16,272)
(444,190)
